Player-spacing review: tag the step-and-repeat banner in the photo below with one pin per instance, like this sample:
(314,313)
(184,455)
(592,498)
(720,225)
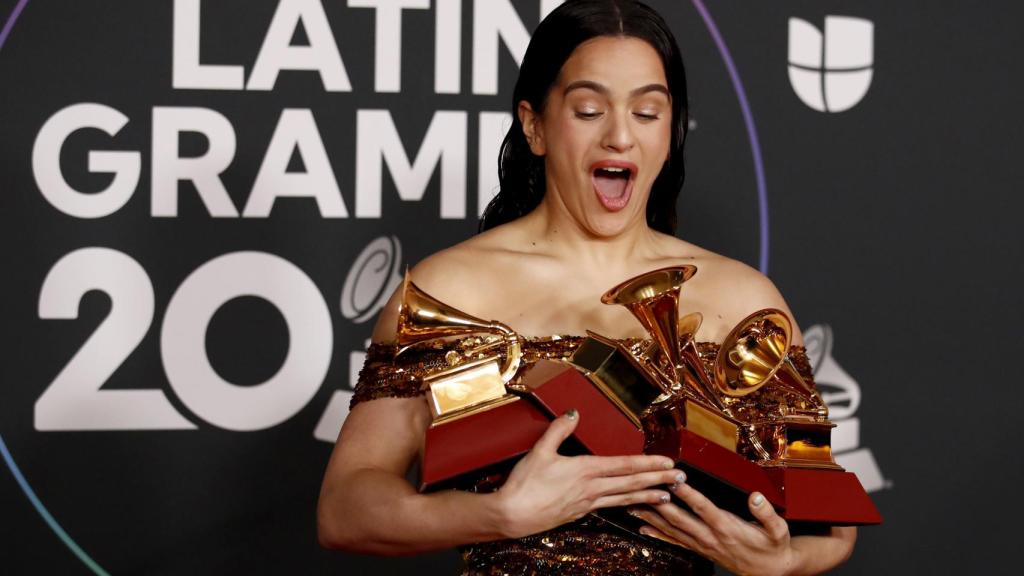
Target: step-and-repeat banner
(206,203)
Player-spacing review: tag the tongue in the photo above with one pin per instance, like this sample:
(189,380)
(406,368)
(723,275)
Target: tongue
(610,186)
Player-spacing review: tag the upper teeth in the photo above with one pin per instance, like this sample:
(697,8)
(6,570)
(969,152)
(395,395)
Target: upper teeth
(614,169)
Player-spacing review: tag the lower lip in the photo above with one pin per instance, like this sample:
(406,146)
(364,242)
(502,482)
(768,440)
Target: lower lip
(615,204)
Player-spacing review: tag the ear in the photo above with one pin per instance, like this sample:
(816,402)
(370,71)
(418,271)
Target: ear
(533,128)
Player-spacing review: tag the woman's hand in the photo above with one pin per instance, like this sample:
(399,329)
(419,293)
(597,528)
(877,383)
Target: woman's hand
(762,547)
(546,489)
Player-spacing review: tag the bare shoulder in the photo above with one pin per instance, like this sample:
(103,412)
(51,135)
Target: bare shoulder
(461,275)
(726,290)
(741,285)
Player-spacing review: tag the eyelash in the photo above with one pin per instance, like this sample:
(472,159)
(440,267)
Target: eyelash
(595,115)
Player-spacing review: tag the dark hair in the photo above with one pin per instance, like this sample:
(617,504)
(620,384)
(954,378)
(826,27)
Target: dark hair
(520,172)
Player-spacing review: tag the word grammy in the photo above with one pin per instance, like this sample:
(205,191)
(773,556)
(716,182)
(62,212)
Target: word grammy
(377,144)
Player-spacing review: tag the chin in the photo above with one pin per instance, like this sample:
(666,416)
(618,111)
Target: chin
(610,227)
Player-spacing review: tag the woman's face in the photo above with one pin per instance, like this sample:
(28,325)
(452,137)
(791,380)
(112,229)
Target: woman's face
(605,133)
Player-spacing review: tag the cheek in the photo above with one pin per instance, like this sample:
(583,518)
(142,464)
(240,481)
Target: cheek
(568,145)
(658,141)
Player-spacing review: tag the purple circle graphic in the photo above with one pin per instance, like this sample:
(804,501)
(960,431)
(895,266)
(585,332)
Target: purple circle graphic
(748,119)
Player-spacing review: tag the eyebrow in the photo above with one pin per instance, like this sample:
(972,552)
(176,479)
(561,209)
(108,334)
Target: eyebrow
(603,90)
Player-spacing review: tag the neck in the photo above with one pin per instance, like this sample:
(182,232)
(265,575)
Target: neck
(564,237)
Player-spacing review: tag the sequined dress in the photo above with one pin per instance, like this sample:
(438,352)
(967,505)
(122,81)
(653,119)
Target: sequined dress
(587,547)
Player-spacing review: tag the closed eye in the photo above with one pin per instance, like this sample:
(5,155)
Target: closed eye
(588,115)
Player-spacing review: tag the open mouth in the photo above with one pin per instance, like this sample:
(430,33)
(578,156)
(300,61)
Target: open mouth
(613,184)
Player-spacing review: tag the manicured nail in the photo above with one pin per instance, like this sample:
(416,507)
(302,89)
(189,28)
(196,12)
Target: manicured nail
(633,512)
(667,464)
(758,500)
(680,479)
(571,414)
(665,498)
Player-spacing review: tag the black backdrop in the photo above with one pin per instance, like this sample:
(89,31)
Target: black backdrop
(224,329)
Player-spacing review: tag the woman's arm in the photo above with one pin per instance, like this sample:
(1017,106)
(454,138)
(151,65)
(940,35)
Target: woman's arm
(367,505)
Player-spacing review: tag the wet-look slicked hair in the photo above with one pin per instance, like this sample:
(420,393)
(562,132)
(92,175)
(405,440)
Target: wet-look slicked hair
(520,172)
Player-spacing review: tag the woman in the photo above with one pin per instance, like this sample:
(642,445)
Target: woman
(590,172)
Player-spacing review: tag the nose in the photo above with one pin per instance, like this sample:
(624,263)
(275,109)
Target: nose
(618,135)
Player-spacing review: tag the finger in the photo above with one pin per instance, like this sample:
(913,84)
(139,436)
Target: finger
(632,482)
(659,524)
(762,509)
(712,515)
(630,499)
(684,521)
(559,429)
(652,532)
(626,465)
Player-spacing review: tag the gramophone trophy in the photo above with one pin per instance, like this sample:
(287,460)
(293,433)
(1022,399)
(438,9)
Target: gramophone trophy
(790,420)
(478,425)
(475,376)
(689,422)
(472,383)
(731,440)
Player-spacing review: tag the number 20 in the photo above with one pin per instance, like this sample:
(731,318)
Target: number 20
(74,400)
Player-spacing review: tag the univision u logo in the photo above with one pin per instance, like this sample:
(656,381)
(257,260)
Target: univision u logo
(831,72)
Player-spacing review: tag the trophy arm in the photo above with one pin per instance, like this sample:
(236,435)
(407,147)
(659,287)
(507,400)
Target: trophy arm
(707,389)
(792,379)
(513,360)
(513,352)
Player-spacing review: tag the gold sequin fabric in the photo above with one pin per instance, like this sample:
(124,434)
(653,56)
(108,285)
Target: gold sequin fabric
(587,547)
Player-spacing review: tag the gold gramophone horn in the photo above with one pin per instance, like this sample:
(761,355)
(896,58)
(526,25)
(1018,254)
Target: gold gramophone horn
(653,298)
(688,326)
(752,352)
(755,350)
(421,318)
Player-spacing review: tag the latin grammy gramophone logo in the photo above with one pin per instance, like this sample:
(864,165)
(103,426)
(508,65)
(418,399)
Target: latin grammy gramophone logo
(843,395)
(831,71)
(371,280)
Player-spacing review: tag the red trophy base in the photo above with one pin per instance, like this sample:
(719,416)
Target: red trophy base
(825,496)
(503,430)
(603,429)
(479,440)
(800,495)
(709,465)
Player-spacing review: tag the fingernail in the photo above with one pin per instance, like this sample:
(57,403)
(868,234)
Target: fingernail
(665,498)
(680,479)
(758,500)
(633,512)
(667,464)
(571,414)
